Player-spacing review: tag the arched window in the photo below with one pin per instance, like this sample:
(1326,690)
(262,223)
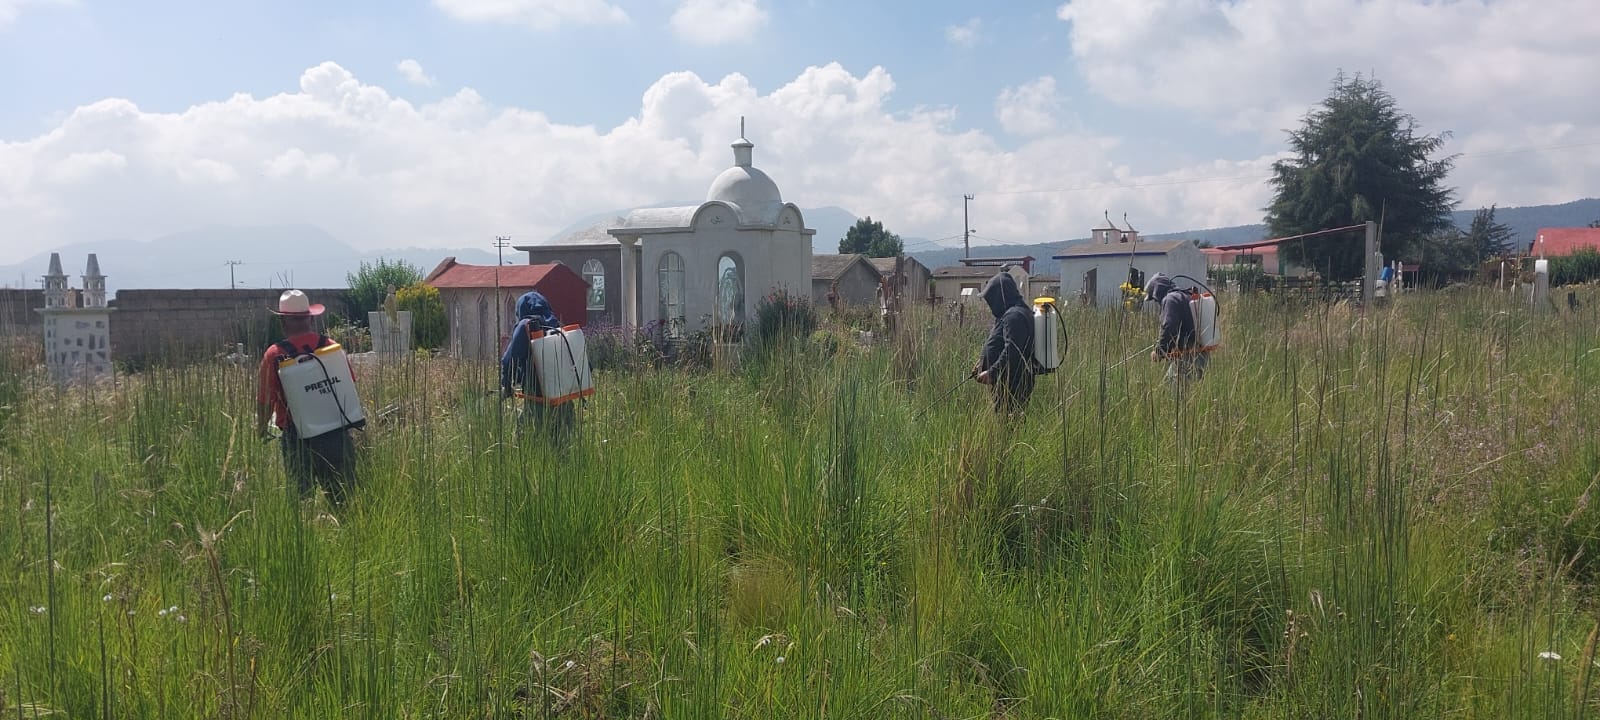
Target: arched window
(730,290)
(670,277)
(594,273)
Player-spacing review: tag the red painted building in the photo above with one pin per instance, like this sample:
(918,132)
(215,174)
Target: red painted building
(480,321)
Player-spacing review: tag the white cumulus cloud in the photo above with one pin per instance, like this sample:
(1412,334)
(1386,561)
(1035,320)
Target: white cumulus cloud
(718,22)
(538,14)
(1032,108)
(966,34)
(1257,65)
(379,171)
(411,70)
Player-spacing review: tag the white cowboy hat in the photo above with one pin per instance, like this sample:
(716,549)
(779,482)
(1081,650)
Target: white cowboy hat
(294,302)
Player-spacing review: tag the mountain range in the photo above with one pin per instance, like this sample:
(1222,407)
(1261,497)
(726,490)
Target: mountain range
(307,256)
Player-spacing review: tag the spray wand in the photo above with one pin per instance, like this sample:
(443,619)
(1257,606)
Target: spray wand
(1146,349)
(948,393)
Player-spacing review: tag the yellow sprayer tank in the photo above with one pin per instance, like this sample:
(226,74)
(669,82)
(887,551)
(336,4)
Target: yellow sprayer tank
(1046,333)
(320,391)
(561,363)
(1204,307)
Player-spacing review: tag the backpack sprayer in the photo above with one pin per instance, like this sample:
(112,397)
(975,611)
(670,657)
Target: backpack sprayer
(560,365)
(319,390)
(1203,306)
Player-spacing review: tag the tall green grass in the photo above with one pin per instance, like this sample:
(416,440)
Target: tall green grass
(1379,515)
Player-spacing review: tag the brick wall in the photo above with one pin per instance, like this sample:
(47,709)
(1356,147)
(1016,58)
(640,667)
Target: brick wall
(158,325)
(16,311)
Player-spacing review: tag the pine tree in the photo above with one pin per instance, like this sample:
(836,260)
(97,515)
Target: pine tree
(868,236)
(1489,238)
(1358,158)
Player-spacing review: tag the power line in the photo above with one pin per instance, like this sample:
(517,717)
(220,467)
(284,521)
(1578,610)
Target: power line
(1232,178)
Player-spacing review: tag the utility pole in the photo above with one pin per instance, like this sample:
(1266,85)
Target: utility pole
(231,284)
(966,227)
(501,242)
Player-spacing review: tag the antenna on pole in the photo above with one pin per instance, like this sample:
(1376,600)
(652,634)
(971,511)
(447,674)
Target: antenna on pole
(230,263)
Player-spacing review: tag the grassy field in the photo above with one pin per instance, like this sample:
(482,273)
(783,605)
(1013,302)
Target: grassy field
(1379,516)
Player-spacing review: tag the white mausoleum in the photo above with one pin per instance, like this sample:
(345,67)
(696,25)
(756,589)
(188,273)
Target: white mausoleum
(709,264)
(77,337)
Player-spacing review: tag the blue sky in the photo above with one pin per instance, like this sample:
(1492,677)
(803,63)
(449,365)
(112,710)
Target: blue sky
(524,114)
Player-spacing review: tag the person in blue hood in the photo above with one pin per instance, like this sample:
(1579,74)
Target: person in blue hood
(1006,364)
(534,314)
(1178,341)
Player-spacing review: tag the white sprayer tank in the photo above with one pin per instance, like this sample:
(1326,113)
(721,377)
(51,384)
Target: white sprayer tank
(320,392)
(1204,308)
(1046,333)
(561,363)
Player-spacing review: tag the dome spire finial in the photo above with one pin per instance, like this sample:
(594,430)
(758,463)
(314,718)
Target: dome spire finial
(742,148)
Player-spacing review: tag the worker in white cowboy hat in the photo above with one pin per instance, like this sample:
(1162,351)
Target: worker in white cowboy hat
(329,459)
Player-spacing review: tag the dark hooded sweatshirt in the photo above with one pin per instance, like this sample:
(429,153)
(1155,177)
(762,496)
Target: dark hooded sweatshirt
(1008,353)
(533,313)
(1177,320)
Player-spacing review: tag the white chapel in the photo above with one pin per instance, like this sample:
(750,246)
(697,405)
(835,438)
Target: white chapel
(77,326)
(695,266)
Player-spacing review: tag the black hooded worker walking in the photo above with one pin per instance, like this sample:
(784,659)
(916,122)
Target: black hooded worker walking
(1178,343)
(1006,364)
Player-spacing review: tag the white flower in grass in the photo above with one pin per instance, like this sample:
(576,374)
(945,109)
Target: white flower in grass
(107,598)
(39,610)
(161,613)
(569,665)
(182,619)
(779,660)
(172,610)
(1549,655)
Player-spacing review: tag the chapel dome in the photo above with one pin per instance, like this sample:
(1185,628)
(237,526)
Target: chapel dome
(744,185)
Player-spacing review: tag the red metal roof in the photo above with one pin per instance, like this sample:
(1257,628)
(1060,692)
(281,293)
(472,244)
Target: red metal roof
(1555,242)
(451,274)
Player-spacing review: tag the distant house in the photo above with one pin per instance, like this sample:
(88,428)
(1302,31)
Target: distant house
(479,322)
(951,282)
(915,278)
(1094,272)
(597,256)
(1559,242)
(857,280)
(1044,286)
(1264,254)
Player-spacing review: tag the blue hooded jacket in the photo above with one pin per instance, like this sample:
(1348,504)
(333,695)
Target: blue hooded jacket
(533,313)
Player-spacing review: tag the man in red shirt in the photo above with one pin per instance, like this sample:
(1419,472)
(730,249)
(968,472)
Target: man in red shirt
(329,459)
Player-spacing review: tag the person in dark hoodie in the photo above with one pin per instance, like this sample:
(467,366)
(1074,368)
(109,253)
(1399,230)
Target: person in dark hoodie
(1006,364)
(1178,342)
(534,314)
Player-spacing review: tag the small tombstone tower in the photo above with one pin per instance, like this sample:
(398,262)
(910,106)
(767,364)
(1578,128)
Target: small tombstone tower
(77,337)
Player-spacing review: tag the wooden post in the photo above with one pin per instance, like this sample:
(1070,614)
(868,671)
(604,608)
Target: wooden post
(1369,274)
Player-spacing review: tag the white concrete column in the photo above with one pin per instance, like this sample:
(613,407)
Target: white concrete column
(630,281)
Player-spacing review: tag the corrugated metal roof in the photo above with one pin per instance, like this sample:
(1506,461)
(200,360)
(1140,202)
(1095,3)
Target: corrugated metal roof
(451,274)
(964,271)
(1565,241)
(832,267)
(1142,248)
(885,265)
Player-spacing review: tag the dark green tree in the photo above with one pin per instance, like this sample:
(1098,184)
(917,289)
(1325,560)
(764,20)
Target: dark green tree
(1489,238)
(868,236)
(370,285)
(1358,158)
